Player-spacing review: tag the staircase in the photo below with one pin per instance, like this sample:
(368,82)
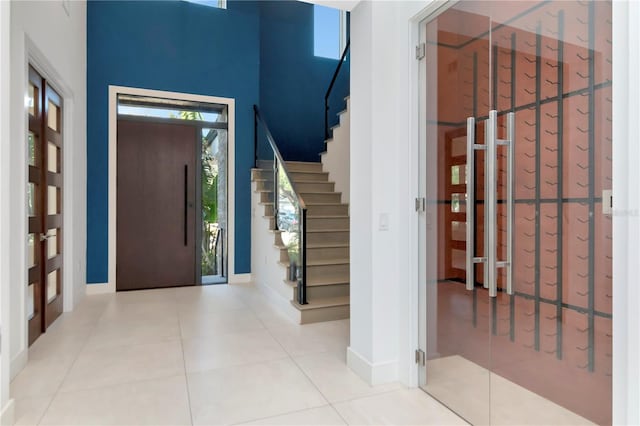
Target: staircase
(327,240)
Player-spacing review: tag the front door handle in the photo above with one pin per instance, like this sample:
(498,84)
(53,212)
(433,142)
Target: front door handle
(186,203)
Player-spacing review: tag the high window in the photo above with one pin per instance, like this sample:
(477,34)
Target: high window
(220,4)
(329,32)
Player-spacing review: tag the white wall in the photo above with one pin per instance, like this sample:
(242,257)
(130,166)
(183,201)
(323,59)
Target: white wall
(54,41)
(626,213)
(6,415)
(384,180)
(383,313)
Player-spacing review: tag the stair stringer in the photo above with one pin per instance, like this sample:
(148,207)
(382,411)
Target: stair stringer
(335,159)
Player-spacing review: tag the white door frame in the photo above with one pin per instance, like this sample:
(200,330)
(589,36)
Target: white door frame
(114,91)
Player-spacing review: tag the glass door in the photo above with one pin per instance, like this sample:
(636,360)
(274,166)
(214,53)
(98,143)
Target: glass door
(517,302)
(551,318)
(457,89)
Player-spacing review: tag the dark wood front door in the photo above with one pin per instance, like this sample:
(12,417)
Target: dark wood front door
(44,206)
(156,215)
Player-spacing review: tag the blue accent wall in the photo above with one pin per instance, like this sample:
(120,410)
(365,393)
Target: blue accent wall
(255,52)
(293,81)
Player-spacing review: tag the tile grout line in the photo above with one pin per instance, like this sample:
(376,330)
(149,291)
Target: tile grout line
(291,356)
(339,414)
(55,394)
(186,379)
(184,359)
(282,414)
(295,363)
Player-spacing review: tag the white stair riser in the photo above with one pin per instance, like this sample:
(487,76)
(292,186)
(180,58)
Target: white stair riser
(277,239)
(324,291)
(323,197)
(328,223)
(327,253)
(261,174)
(332,313)
(263,185)
(324,253)
(327,210)
(266,197)
(318,272)
(315,186)
(303,167)
(315,177)
(327,237)
(296,176)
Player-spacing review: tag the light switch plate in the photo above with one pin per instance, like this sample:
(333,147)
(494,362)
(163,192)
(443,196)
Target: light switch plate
(384,222)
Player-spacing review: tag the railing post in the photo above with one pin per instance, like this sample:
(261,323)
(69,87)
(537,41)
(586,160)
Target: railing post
(326,121)
(255,137)
(275,192)
(302,281)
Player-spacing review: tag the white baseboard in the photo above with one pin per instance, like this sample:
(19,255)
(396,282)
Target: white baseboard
(7,417)
(102,288)
(279,302)
(372,373)
(18,363)
(239,278)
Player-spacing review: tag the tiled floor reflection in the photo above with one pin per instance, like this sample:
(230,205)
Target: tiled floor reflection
(204,356)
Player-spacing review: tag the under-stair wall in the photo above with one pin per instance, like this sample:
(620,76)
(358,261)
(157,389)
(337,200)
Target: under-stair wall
(268,273)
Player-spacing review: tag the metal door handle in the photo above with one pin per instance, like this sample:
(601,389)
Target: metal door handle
(471,260)
(45,237)
(491,195)
(511,138)
(186,202)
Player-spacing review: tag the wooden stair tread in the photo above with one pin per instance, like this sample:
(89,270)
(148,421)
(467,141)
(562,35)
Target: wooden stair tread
(319,192)
(328,262)
(322,262)
(327,245)
(324,182)
(318,282)
(302,162)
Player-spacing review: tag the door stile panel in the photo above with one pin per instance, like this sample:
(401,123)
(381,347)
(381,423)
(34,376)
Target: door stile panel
(53,132)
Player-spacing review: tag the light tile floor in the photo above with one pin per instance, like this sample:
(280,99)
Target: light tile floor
(202,355)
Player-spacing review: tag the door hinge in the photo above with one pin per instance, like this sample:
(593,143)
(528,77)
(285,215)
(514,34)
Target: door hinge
(420,357)
(421,50)
(421,204)
(607,201)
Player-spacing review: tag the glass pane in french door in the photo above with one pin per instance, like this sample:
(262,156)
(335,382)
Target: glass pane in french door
(551,338)
(457,304)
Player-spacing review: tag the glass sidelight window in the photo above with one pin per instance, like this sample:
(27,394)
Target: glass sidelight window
(214,205)
(518,303)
